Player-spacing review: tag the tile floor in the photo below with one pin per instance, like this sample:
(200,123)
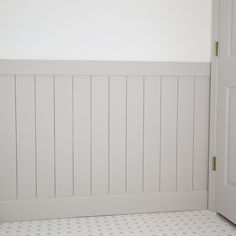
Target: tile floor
(155,224)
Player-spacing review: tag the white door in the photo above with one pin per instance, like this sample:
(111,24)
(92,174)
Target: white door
(226,113)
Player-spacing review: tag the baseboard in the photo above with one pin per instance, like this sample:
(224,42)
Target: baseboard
(18,210)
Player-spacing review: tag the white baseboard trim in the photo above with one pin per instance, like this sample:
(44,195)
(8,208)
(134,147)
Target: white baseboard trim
(18,210)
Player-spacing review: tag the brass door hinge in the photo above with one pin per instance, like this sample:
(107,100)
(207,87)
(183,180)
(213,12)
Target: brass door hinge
(214,163)
(216,48)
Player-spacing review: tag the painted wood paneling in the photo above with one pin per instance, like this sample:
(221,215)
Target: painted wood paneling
(134,137)
(100,135)
(102,205)
(8,188)
(185,133)
(135,134)
(73,67)
(63,136)
(152,112)
(201,131)
(168,133)
(82,135)
(45,136)
(117,134)
(25,110)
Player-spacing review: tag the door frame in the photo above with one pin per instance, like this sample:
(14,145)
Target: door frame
(213,103)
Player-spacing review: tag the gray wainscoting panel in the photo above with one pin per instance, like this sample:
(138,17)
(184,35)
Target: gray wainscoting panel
(109,134)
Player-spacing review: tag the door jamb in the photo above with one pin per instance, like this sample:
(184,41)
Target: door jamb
(213,103)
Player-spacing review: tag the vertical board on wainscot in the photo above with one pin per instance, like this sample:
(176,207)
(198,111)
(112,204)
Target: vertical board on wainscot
(45,136)
(201,131)
(185,133)
(168,133)
(117,134)
(152,104)
(100,135)
(7,139)
(63,136)
(25,110)
(135,134)
(82,137)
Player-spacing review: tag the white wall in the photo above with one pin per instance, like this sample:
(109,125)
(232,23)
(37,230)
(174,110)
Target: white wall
(153,30)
